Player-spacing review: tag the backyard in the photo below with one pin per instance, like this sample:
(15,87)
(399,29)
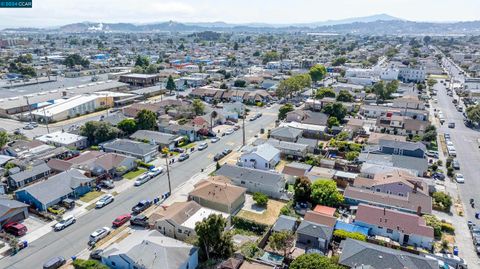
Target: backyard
(268,216)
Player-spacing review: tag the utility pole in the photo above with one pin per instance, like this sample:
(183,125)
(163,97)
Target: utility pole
(29,108)
(46,119)
(243,125)
(168,173)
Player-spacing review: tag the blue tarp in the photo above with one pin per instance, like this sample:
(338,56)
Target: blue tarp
(340,225)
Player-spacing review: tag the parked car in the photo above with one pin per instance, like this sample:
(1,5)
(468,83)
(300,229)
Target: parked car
(179,150)
(455,164)
(96,254)
(28,127)
(98,235)
(446,135)
(119,221)
(54,263)
(141,206)
(215,139)
(438,176)
(15,228)
(471,225)
(56,209)
(139,220)
(202,146)
(432,154)
(155,172)
(451,125)
(218,157)
(182,157)
(107,184)
(236,127)
(226,151)
(141,179)
(459,178)
(229,132)
(105,200)
(67,221)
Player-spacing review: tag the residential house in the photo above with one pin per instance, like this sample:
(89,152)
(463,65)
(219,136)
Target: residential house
(286,134)
(323,215)
(132,110)
(413,202)
(183,130)
(11,210)
(68,184)
(356,253)
(112,165)
(307,117)
(410,101)
(31,175)
(263,157)
(411,149)
(285,224)
(163,140)
(314,236)
(295,169)
(178,220)
(268,182)
(220,196)
(373,111)
(149,249)
(374,138)
(142,151)
(64,139)
(404,228)
(289,149)
(418,166)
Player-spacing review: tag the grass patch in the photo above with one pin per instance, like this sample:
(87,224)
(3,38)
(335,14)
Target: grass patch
(114,193)
(268,217)
(135,173)
(291,188)
(90,207)
(91,196)
(188,146)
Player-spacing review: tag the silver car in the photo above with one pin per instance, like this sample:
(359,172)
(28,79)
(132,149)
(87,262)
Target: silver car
(67,221)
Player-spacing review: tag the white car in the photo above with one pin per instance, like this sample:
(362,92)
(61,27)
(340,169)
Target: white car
(142,179)
(105,200)
(229,132)
(203,146)
(459,178)
(155,172)
(215,140)
(99,234)
(67,221)
(449,143)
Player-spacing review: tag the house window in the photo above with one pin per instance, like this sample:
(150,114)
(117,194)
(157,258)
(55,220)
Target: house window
(113,264)
(180,231)
(380,227)
(266,165)
(242,182)
(389,231)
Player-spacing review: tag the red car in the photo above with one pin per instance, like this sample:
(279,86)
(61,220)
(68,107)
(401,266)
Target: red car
(15,228)
(121,220)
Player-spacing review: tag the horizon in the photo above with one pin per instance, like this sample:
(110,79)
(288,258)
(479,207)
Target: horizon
(267,12)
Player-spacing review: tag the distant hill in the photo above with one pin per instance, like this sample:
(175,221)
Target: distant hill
(380,24)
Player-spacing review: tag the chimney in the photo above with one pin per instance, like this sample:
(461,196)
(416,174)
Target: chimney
(415,187)
(384,211)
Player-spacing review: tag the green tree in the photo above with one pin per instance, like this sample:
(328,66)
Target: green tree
(302,189)
(105,132)
(146,120)
(431,82)
(151,69)
(325,192)
(240,83)
(3,139)
(339,61)
(293,85)
(171,86)
(260,199)
(142,61)
(345,96)
(325,92)
(213,116)
(336,110)
(317,72)
(283,110)
(198,107)
(281,241)
(313,261)
(391,88)
(270,56)
(443,200)
(75,59)
(213,242)
(351,155)
(235,46)
(473,114)
(128,126)
(332,121)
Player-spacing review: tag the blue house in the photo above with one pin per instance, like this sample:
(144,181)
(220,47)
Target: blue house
(69,184)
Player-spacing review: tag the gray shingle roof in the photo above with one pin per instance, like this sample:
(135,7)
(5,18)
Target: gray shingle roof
(357,253)
(285,223)
(57,186)
(129,146)
(36,170)
(157,137)
(315,230)
(286,132)
(402,145)
(249,174)
(7,204)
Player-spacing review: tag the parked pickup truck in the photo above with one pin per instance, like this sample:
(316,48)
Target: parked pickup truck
(141,206)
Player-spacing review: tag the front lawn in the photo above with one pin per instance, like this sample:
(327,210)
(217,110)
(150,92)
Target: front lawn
(268,217)
(135,173)
(188,146)
(91,196)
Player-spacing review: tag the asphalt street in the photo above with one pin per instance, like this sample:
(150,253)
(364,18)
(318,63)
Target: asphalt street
(74,239)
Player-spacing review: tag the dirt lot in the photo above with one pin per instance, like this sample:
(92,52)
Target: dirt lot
(268,216)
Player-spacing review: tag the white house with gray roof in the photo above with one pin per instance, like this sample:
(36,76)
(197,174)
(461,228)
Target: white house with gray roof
(149,249)
(142,151)
(263,157)
(268,182)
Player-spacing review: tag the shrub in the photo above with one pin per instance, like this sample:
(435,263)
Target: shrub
(260,198)
(442,200)
(144,164)
(435,223)
(447,227)
(88,264)
(342,235)
(248,225)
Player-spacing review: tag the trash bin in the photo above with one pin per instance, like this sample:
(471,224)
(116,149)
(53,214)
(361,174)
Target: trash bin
(455,251)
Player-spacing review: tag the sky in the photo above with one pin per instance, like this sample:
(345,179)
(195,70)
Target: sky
(46,13)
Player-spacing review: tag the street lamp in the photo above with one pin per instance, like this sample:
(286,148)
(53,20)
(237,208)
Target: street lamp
(166,151)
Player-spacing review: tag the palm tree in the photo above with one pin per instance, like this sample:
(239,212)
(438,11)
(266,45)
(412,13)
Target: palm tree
(213,115)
